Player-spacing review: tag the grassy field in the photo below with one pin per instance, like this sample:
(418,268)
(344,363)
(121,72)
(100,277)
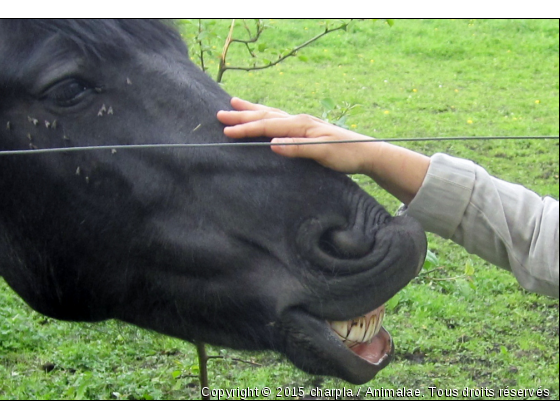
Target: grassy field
(466,325)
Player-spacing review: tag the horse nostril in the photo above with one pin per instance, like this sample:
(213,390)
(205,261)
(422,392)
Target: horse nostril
(345,244)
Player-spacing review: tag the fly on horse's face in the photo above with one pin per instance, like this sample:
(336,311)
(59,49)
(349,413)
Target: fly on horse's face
(236,247)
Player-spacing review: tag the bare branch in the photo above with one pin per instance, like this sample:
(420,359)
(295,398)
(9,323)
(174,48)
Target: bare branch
(200,46)
(222,64)
(202,367)
(291,53)
(235,359)
(252,39)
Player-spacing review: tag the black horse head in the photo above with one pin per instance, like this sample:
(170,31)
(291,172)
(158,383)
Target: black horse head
(236,247)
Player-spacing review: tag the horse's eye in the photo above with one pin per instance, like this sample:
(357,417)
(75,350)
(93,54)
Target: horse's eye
(68,92)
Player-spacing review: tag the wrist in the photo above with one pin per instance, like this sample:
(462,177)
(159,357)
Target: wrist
(370,156)
(396,169)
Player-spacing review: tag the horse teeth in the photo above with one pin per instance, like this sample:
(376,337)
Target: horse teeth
(379,322)
(372,327)
(370,330)
(341,328)
(358,330)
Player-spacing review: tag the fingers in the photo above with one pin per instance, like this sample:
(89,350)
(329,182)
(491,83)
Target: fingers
(241,105)
(253,120)
(268,126)
(247,112)
(243,117)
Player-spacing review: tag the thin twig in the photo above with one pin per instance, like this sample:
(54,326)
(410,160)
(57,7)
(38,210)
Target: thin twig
(430,271)
(222,64)
(462,276)
(223,67)
(252,39)
(201,46)
(235,359)
(289,54)
(202,368)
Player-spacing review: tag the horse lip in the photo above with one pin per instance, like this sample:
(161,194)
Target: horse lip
(386,357)
(329,354)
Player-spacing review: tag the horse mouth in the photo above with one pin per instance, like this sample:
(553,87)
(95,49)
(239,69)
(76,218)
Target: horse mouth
(365,336)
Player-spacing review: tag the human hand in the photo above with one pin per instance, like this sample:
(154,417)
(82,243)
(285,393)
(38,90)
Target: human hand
(253,120)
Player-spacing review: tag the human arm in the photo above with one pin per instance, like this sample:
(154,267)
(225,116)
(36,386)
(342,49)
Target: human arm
(398,170)
(503,223)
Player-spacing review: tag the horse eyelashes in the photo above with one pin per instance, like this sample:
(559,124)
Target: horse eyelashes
(68,92)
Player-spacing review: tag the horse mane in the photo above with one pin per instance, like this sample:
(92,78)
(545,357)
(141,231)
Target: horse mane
(106,38)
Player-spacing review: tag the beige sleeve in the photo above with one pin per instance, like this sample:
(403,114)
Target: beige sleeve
(505,224)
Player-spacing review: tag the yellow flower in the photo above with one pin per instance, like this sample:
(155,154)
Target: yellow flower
(386,112)
(372,61)
(415,90)
(281,73)
(537,101)
(469,121)
(353,126)
(456,90)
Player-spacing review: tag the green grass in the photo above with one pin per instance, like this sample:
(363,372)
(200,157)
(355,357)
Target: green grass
(468,324)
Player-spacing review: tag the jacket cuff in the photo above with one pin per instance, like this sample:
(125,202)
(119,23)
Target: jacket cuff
(444,195)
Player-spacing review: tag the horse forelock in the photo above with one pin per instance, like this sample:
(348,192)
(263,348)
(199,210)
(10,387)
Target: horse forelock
(102,38)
